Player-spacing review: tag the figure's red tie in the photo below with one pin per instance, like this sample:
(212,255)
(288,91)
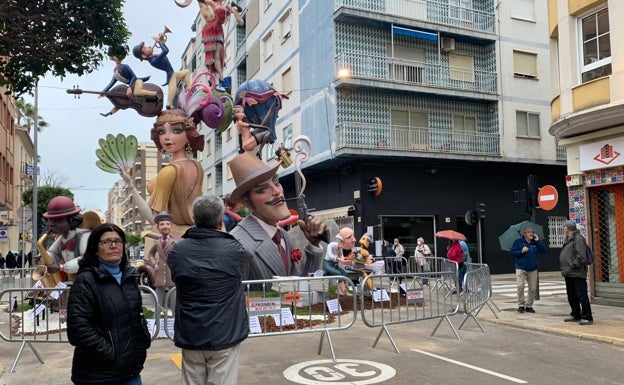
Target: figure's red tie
(277,238)
(163,242)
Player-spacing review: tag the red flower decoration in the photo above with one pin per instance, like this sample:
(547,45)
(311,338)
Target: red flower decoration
(295,255)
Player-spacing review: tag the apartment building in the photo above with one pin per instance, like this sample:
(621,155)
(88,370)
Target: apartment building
(417,110)
(588,119)
(122,208)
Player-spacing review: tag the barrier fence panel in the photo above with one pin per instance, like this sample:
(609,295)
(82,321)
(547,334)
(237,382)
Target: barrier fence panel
(37,314)
(16,277)
(418,297)
(477,292)
(289,305)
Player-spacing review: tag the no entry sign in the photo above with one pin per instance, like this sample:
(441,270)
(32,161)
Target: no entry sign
(547,197)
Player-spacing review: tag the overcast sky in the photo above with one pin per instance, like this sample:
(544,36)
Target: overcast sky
(68,144)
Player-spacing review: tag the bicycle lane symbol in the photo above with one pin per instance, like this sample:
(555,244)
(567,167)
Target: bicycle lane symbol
(339,372)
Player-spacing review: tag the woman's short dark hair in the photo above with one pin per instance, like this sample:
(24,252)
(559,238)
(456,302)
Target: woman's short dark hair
(90,257)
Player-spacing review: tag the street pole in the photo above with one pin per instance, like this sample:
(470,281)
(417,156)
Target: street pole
(479,241)
(35,167)
(537,291)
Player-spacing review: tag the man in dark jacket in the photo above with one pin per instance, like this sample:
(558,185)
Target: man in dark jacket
(210,315)
(525,251)
(574,270)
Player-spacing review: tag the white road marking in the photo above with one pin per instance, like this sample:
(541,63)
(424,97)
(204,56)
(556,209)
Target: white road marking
(478,369)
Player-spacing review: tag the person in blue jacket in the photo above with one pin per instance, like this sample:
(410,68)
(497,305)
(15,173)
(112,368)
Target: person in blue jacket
(525,250)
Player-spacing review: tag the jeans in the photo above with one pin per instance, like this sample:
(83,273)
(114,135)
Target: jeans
(576,288)
(530,277)
(333,268)
(462,270)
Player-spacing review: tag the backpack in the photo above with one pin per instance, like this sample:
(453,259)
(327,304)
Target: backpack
(590,257)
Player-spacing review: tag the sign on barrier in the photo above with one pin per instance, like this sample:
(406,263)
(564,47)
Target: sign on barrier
(295,305)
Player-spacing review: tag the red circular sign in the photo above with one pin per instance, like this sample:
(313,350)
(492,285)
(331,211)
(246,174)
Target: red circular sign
(547,197)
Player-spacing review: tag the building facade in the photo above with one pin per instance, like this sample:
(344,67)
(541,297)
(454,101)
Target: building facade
(122,208)
(439,105)
(588,119)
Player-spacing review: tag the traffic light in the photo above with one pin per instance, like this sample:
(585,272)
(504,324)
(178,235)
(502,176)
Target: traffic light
(480,209)
(532,190)
(520,198)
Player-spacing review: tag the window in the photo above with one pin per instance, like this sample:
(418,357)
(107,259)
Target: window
(287,82)
(465,123)
(527,124)
(208,182)
(525,64)
(268,148)
(523,9)
(208,147)
(461,9)
(556,237)
(288,136)
(461,67)
(228,134)
(285,26)
(229,172)
(596,46)
(267,45)
(410,129)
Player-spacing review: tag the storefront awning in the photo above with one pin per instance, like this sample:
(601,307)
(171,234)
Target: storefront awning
(337,212)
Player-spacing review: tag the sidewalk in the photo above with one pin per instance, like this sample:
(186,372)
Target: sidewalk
(550,311)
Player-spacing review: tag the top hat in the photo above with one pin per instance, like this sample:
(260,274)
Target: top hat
(163,216)
(249,171)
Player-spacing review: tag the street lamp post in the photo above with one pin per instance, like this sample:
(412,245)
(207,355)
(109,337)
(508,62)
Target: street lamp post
(35,167)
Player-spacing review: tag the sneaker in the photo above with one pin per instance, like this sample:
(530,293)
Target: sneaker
(585,322)
(520,309)
(571,319)
(529,310)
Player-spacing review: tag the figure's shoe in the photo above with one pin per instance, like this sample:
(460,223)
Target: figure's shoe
(585,322)
(529,310)
(106,114)
(571,319)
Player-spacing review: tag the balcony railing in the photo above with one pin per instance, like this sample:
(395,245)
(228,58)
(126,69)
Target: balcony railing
(416,73)
(419,139)
(434,11)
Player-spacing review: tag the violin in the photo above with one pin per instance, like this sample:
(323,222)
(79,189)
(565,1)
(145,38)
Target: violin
(148,106)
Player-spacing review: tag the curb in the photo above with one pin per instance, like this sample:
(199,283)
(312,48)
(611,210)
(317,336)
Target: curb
(551,330)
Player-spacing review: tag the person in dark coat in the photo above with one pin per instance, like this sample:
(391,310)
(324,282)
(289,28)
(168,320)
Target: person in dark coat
(104,319)
(574,271)
(210,316)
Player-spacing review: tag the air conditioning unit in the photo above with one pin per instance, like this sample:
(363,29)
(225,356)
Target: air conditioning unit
(448,44)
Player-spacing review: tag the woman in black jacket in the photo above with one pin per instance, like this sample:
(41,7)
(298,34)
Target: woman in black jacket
(104,314)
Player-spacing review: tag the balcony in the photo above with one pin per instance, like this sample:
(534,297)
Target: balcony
(358,135)
(413,73)
(430,11)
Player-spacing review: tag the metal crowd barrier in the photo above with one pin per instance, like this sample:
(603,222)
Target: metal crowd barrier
(290,305)
(477,292)
(16,277)
(38,314)
(417,297)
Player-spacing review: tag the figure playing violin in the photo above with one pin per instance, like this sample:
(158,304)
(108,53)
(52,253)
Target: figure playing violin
(124,74)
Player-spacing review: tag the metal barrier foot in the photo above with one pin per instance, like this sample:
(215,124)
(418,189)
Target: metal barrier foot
(331,346)
(19,354)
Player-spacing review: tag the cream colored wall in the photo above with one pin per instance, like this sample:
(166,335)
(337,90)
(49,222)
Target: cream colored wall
(577,6)
(591,94)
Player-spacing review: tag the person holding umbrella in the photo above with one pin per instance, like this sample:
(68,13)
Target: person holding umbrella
(525,250)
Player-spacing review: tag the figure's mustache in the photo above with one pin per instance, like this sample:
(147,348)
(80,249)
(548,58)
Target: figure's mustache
(276,200)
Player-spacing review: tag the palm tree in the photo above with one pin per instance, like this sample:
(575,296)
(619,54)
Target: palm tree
(26,111)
